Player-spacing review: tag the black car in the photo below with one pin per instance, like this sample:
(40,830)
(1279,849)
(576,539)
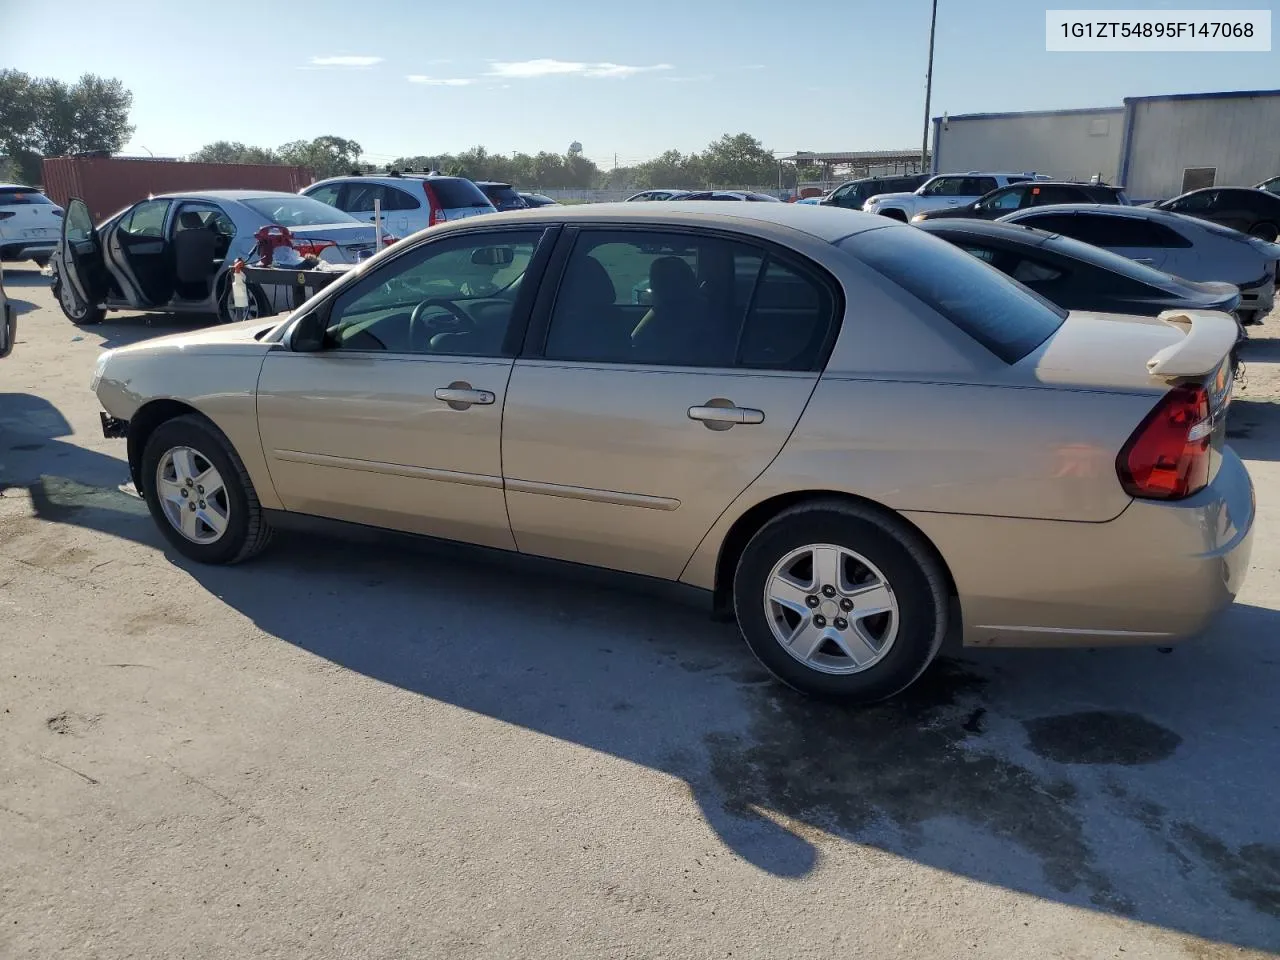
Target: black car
(1078,276)
(738,195)
(502,195)
(1251,211)
(537,200)
(1018,196)
(854,193)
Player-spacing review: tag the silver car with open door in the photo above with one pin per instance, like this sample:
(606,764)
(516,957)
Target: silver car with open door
(174,253)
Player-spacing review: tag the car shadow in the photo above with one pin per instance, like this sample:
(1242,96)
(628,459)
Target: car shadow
(1127,781)
(26,274)
(1253,428)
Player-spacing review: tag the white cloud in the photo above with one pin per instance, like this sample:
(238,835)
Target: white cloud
(439,81)
(544,67)
(345,61)
(695,78)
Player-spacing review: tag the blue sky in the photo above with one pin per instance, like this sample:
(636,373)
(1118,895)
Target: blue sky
(626,79)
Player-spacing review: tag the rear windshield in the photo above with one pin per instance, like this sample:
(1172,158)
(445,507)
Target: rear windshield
(297,211)
(504,197)
(1107,260)
(455,192)
(998,312)
(11,197)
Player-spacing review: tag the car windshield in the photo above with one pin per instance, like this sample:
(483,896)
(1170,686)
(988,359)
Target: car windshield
(998,312)
(297,211)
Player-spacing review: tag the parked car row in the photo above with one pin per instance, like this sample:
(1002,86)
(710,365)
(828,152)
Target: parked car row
(704,436)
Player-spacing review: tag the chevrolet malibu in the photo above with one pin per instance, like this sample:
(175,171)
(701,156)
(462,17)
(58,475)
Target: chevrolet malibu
(853,435)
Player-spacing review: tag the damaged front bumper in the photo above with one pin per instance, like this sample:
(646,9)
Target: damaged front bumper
(113,428)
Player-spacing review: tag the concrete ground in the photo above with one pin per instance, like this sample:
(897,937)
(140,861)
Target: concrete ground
(355,750)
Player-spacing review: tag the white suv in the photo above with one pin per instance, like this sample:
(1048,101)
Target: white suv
(409,201)
(30,224)
(940,192)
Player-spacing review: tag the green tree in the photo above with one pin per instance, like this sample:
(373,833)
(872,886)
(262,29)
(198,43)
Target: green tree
(326,156)
(45,117)
(738,160)
(228,151)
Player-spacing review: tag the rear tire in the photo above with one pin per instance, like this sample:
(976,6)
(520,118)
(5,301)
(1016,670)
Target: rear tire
(244,530)
(75,309)
(784,601)
(259,306)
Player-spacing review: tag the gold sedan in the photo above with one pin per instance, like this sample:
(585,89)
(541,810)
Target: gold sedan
(852,434)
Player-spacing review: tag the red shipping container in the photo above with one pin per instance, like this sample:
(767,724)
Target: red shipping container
(109,184)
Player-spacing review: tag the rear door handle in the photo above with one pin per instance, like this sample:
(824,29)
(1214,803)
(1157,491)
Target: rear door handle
(461,395)
(722,415)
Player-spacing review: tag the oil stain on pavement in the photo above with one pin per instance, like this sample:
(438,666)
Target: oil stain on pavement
(918,758)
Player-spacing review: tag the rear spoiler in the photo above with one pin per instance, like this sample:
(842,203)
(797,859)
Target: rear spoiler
(1210,335)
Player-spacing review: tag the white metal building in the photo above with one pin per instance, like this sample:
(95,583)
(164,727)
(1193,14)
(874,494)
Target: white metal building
(1073,144)
(1155,146)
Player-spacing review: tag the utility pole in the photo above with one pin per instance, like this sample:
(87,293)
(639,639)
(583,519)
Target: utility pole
(928,91)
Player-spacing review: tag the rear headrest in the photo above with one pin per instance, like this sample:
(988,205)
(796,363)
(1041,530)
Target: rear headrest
(590,284)
(671,278)
(190,220)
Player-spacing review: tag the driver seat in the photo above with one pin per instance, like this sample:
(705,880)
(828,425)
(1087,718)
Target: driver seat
(194,252)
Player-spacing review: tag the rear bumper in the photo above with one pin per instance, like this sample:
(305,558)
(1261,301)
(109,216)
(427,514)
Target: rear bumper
(1260,298)
(1158,573)
(27,249)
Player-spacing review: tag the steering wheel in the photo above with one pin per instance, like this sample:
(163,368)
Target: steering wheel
(462,322)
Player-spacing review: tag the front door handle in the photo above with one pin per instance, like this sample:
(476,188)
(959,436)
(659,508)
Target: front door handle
(720,414)
(459,395)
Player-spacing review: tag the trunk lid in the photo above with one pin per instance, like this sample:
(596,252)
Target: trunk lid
(353,242)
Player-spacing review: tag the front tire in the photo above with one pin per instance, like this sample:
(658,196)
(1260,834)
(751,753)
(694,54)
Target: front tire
(841,602)
(200,494)
(1265,231)
(75,309)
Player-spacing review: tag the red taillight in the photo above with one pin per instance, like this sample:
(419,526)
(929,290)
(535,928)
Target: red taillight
(313,248)
(437,215)
(1167,458)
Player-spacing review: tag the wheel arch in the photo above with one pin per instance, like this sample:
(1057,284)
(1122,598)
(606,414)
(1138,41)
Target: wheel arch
(144,422)
(756,516)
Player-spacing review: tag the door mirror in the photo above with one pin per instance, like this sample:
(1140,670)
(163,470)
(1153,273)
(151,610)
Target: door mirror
(493,256)
(310,333)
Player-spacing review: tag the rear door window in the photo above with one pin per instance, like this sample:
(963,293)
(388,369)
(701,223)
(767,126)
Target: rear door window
(327,194)
(1002,315)
(503,196)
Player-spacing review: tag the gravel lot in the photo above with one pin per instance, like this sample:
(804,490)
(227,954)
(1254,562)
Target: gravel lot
(366,750)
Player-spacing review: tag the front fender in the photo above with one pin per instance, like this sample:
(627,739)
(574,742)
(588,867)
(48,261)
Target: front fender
(217,381)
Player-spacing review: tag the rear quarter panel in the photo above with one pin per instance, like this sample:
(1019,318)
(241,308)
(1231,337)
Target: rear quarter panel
(219,380)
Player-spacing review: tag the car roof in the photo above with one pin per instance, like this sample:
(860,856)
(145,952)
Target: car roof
(1109,209)
(830,224)
(491,183)
(223,195)
(17,186)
